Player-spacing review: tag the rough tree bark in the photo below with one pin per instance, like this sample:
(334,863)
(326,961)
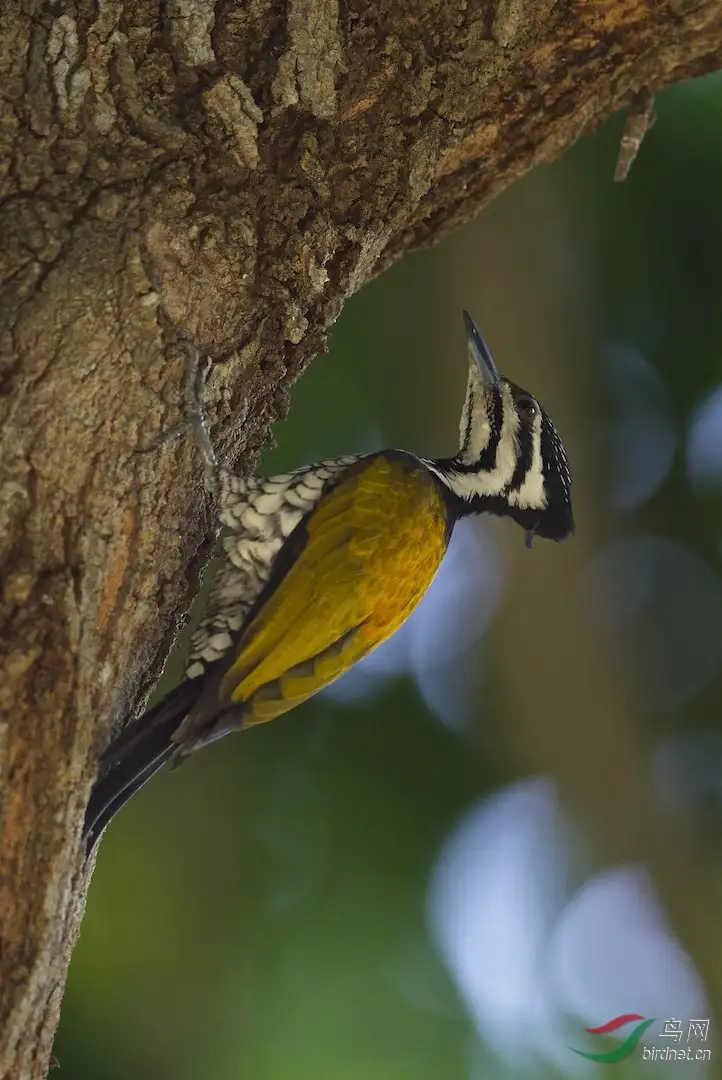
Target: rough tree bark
(231,171)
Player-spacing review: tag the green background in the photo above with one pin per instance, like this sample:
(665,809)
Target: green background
(270,910)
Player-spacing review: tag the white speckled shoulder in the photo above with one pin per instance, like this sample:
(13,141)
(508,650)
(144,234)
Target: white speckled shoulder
(259,514)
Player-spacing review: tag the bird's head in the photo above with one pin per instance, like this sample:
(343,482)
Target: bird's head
(511,460)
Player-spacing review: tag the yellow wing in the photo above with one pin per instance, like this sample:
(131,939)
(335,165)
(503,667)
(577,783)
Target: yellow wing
(372,547)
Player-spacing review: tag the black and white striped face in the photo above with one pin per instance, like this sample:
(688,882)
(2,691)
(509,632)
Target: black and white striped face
(511,460)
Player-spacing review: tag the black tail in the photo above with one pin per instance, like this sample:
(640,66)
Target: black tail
(134,756)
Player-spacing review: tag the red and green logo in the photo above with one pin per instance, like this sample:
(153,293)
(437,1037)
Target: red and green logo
(619,1053)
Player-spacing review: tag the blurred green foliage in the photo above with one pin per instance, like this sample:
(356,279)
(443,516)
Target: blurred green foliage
(261,913)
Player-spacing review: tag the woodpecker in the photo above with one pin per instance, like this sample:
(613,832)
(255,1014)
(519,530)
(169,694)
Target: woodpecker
(323,564)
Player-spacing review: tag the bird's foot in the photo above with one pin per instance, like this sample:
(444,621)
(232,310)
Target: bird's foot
(194,382)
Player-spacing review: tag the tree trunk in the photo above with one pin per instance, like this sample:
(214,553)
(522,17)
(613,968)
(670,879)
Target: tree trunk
(230,172)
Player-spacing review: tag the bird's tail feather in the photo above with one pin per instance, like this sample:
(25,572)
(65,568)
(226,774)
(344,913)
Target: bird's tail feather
(134,756)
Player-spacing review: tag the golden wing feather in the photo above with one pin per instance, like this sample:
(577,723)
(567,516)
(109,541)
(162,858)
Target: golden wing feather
(372,547)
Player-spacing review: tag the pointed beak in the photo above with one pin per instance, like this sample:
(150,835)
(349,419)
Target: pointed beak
(480,353)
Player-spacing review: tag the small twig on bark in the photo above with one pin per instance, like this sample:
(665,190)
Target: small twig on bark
(640,118)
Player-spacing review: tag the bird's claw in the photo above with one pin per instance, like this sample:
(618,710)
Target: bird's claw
(194,382)
(163,437)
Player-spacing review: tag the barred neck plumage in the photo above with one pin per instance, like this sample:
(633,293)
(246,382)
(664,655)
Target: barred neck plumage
(511,460)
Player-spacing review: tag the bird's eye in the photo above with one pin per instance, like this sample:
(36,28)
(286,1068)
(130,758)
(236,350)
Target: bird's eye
(526,405)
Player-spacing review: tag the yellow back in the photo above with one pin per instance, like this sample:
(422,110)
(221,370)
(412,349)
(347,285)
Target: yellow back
(373,546)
